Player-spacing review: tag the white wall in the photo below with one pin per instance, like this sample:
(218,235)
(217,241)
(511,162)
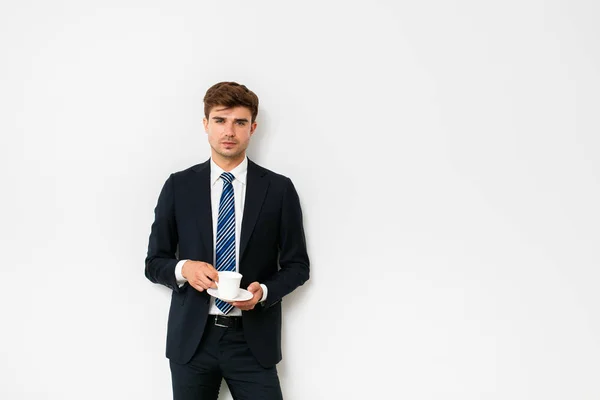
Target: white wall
(446,155)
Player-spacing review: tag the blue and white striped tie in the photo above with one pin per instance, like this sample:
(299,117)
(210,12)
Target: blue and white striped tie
(225,251)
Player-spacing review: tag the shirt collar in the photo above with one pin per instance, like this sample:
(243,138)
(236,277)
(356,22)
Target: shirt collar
(240,172)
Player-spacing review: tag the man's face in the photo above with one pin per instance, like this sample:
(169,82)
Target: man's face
(229,131)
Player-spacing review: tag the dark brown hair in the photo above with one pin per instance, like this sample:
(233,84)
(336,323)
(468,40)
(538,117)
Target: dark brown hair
(230,94)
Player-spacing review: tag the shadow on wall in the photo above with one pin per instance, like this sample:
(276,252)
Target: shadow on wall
(289,305)
(259,144)
(258,151)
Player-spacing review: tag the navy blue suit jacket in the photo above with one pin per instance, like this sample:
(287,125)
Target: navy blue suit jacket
(272,252)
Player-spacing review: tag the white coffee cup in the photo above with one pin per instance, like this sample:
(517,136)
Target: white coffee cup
(229,284)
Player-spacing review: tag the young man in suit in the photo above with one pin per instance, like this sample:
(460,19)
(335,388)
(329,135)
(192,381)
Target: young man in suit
(227,213)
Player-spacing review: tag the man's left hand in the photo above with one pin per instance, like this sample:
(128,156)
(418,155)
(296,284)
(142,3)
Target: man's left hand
(257,293)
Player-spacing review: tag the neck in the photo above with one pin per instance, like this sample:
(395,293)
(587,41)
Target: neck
(226,163)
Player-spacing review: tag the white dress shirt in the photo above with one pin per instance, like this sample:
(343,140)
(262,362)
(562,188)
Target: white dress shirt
(239,193)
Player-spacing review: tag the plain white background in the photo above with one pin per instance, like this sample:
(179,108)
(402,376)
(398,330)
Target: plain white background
(446,155)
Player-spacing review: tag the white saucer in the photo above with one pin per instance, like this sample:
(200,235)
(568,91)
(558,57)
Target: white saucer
(242,295)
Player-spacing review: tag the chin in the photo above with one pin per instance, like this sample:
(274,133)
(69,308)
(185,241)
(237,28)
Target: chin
(230,154)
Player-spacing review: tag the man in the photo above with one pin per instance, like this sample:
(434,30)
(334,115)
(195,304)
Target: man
(227,213)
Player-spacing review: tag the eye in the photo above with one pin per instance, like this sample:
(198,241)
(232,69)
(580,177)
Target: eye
(218,120)
(241,123)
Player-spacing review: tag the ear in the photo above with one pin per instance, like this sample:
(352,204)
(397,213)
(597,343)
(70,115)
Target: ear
(253,128)
(205,123)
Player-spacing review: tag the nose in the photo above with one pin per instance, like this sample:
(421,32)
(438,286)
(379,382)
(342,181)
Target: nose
(229,131)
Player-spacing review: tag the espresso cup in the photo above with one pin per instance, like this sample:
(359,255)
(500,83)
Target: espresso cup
(229,284)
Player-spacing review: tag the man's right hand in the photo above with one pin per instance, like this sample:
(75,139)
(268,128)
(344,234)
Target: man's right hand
(200,275)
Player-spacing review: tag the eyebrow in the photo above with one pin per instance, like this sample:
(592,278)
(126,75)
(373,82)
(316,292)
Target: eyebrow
(235,119)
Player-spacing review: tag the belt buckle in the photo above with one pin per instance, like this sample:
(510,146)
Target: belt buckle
(217,322)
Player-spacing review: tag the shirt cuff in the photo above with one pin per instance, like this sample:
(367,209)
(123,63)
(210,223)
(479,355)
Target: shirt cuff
(178,277)
(265,291)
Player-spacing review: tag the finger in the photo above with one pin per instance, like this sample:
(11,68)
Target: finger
(210,270)
(256,291)
(205,281)
(213,275)
(196,286)
(244,304)
(254,286)
(210,277)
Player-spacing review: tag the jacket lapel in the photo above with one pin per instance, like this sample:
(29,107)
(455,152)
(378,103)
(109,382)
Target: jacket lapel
(256,190)
(200,193)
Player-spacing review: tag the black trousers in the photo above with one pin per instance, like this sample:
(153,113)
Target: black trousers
(224,353)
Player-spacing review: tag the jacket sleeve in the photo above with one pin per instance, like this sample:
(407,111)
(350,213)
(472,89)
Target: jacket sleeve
(293,256)
(161,258)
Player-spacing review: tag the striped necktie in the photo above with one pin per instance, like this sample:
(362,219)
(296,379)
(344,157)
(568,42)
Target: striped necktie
(225,250)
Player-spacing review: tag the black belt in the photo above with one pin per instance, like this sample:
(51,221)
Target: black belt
(224,321)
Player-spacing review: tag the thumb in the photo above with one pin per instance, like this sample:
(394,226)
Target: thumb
(254,287)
